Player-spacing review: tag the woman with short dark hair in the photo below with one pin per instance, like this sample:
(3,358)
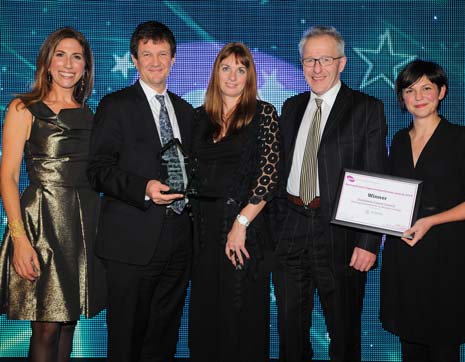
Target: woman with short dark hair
(422,278)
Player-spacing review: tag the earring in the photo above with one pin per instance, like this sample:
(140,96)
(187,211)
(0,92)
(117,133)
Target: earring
(49,77)
(81,89)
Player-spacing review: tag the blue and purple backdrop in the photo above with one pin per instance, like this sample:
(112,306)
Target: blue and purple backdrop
(381,36)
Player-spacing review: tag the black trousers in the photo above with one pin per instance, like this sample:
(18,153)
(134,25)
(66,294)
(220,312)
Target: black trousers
(304,264)
(417,352)
(145,301)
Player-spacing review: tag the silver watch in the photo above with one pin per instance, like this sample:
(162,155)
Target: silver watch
(241,219)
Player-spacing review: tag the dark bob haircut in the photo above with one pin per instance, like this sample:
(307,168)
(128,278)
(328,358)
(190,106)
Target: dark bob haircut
(155,31)
(415,70)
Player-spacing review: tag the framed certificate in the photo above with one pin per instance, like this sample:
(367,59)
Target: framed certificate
(376,202)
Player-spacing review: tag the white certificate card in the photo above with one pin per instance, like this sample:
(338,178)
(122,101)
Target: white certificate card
(376,202)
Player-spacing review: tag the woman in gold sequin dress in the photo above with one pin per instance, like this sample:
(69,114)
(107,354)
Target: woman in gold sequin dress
(48,272)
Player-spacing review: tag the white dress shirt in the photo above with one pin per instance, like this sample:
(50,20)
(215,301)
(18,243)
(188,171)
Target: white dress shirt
(155,106)
(293,182)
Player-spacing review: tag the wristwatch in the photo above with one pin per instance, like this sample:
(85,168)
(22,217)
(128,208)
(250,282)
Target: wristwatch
(241,219)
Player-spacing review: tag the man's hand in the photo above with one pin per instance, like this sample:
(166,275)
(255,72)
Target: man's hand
(154,191)
(362,260)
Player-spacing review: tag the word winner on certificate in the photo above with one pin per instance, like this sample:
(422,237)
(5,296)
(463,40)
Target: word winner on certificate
(376,202)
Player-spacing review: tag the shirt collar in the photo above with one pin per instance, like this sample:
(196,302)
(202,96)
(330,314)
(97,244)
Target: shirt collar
(330,96)
(150,92)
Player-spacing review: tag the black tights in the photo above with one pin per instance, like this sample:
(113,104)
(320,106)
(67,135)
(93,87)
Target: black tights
(416,352)
(51,341)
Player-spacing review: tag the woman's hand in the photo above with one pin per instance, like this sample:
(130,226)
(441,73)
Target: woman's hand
(417,231)
(25,260)
(235,245)
(16,131)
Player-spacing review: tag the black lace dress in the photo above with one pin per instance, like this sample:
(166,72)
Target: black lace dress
(229,309)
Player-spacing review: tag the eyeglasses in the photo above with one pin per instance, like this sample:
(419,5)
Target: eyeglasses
(324,61)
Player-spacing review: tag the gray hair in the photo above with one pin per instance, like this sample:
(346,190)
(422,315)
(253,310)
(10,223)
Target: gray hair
(316,31)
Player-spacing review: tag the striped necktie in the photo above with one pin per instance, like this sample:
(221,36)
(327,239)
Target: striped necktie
(174,169)
(308,174)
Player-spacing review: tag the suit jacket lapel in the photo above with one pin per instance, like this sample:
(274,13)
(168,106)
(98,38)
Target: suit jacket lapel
(338,110)
(301,106)
(147,120)
(183,127)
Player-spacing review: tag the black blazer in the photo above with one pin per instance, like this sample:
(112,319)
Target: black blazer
(354,137)
(124,156)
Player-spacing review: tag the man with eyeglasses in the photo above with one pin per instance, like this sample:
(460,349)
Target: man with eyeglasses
(324,130)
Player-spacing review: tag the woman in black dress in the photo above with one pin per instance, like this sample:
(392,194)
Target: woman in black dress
(48,272)
(423,278)
(237,150)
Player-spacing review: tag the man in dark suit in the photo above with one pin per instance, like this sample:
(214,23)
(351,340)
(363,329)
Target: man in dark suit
(325,130)
(144,232)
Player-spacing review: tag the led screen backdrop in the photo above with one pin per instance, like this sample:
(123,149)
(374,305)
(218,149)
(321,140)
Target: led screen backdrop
(381,36)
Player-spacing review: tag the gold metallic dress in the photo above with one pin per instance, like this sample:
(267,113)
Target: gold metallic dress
(60,215)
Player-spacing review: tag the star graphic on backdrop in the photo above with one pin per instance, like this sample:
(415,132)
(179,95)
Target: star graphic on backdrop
(123,64)
(383,63)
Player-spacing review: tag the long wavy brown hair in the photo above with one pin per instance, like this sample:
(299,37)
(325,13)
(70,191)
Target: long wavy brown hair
(245,109)
(42,84)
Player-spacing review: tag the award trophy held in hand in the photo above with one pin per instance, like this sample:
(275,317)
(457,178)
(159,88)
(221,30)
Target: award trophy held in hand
(177,169)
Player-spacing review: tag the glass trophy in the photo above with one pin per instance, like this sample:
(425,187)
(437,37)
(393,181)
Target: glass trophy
(176,169)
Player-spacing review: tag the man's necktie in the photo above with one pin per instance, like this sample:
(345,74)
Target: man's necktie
(308,174)
(171,156)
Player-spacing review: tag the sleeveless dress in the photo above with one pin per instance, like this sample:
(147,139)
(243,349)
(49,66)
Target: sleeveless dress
(60,215)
